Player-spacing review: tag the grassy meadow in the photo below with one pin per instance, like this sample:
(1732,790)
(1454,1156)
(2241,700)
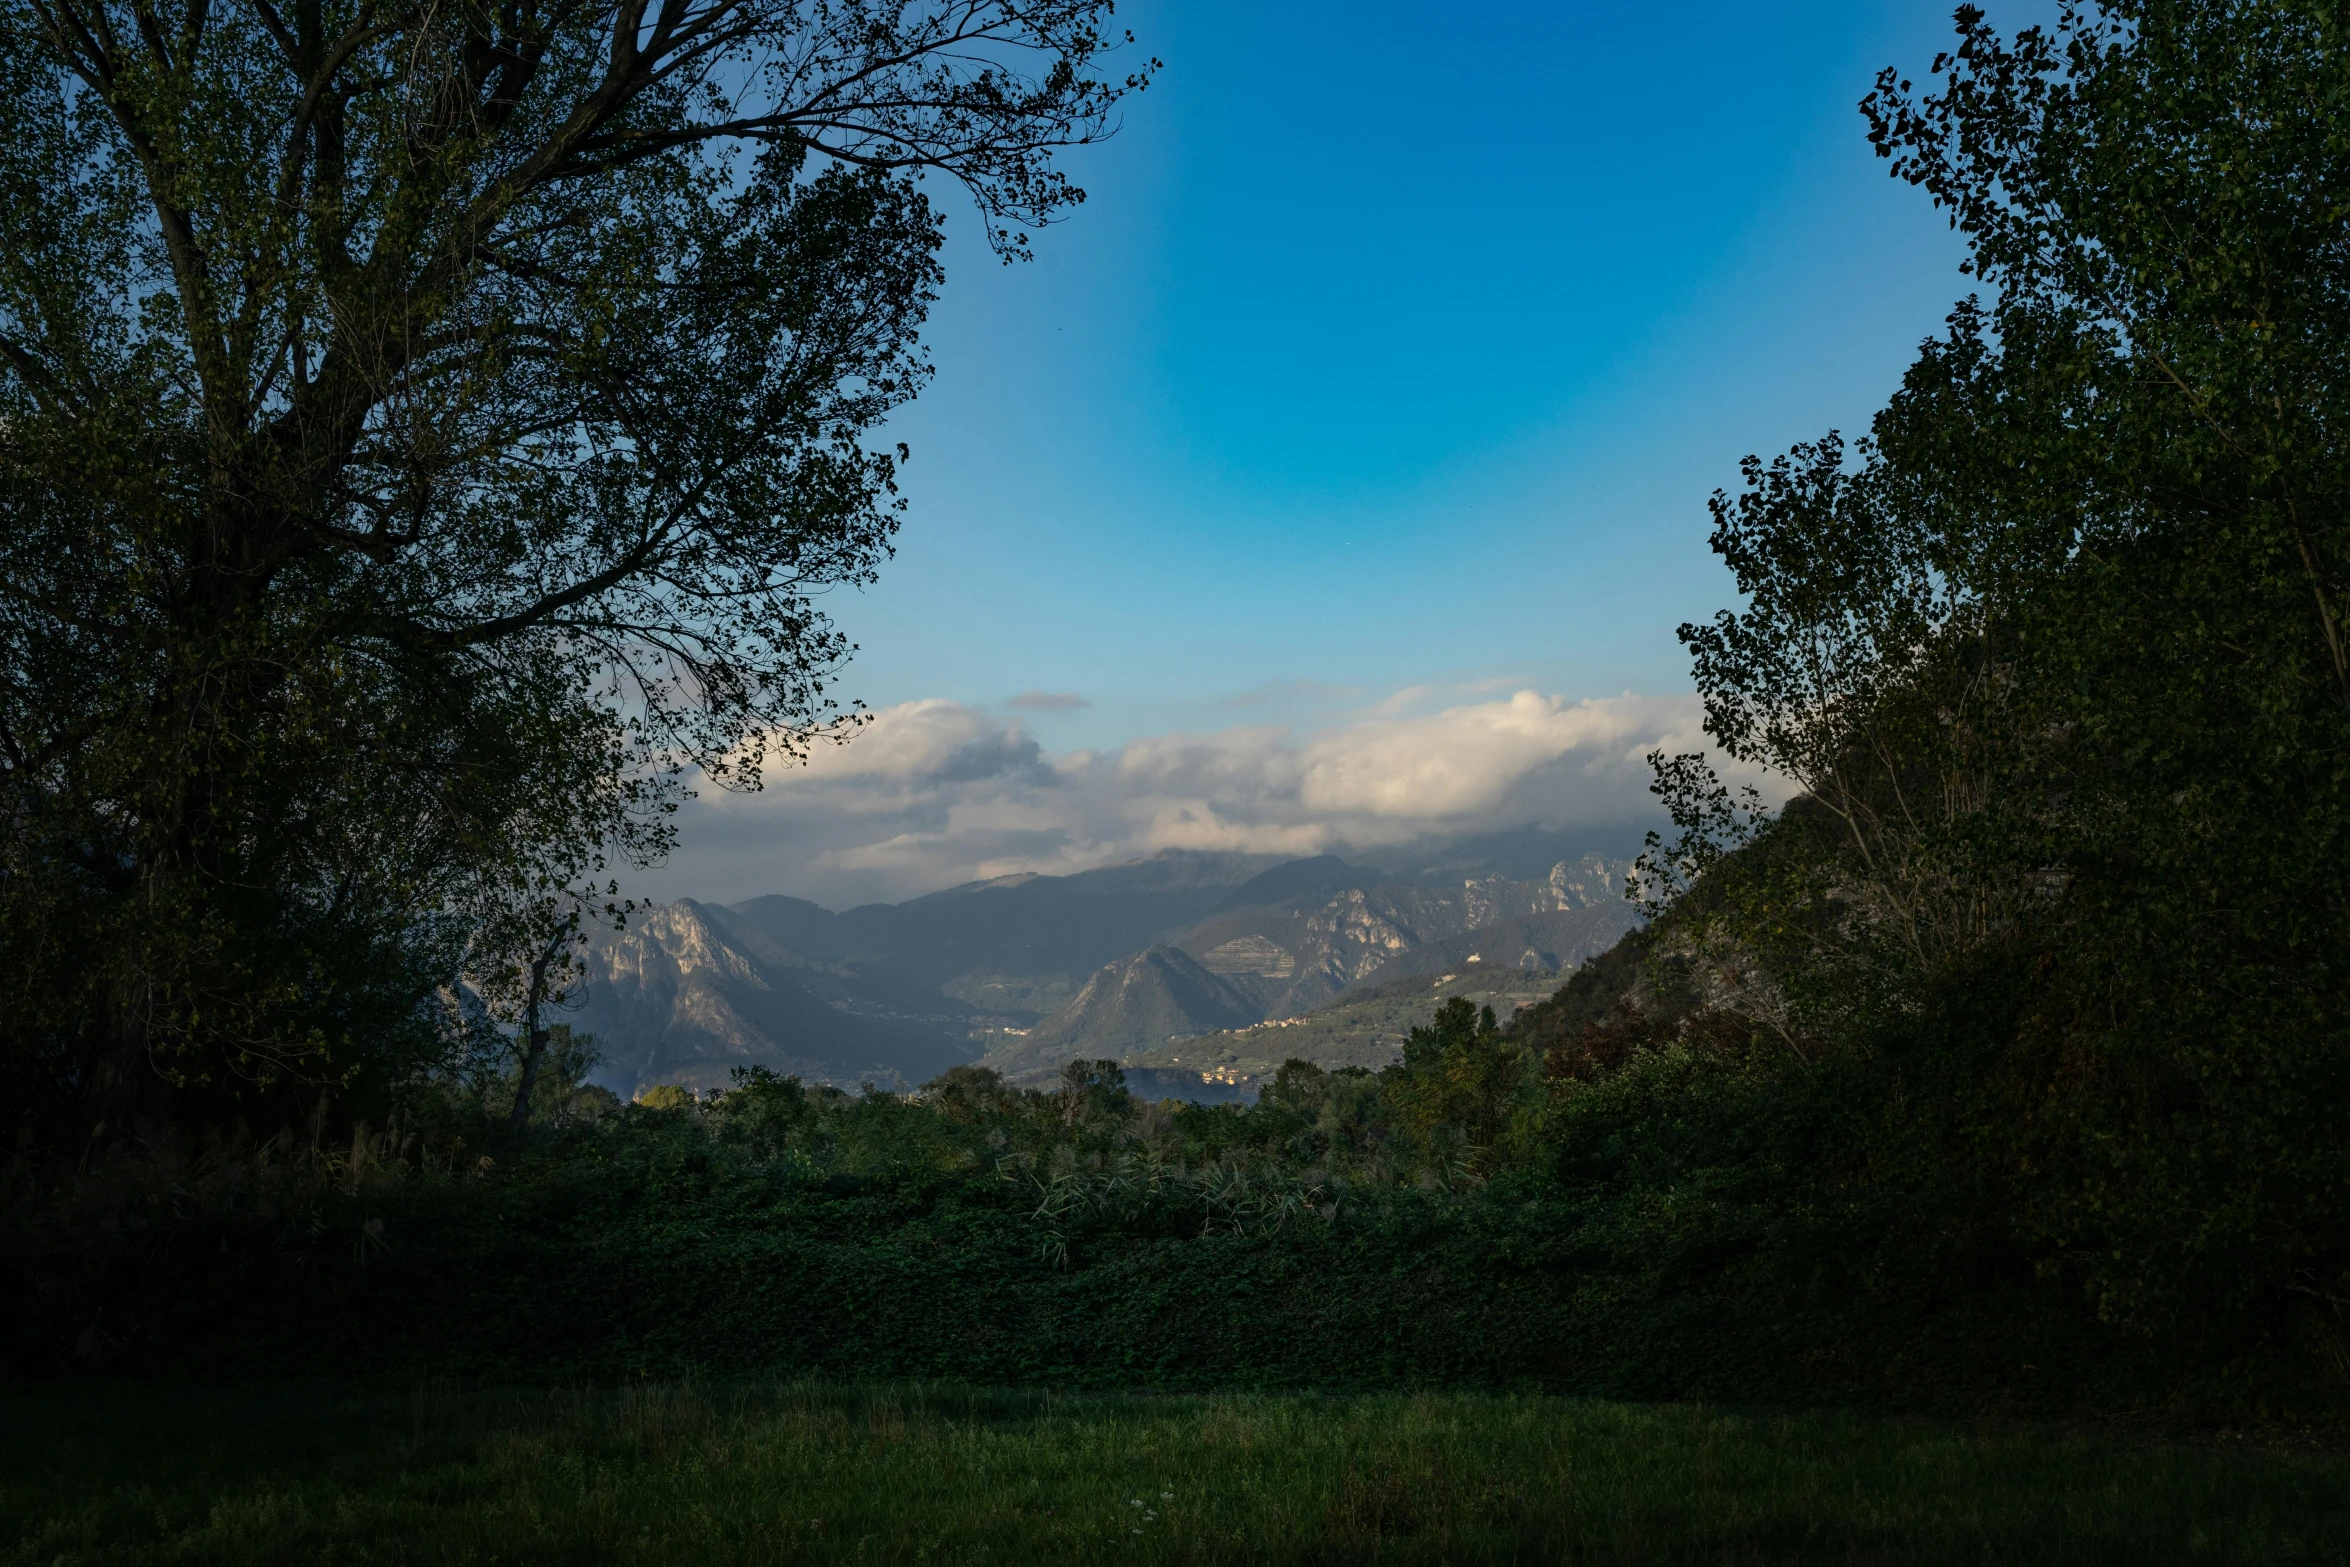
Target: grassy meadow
(767,1473)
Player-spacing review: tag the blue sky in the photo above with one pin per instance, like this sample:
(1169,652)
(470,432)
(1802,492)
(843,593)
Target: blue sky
(1387,370)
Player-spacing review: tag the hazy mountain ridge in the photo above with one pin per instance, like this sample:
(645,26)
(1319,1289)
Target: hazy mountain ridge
(1126,1007)
(1017,944)
(1298,952)
(1553,941)
(1307,934)
(676,997)
(1363,1028)
(1038,970)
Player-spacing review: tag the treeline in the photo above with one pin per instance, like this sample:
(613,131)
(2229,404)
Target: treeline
(1623,1193)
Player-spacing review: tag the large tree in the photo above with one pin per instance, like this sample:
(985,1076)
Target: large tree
(422,429)
(2061,663)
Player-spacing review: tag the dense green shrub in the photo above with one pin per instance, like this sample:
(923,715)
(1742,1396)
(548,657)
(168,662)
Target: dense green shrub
(1698,1221)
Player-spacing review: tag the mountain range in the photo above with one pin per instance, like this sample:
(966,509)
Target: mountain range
(1028,972)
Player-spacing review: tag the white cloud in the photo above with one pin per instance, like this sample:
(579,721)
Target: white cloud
(933,792)
(1405,700)
(1467,760)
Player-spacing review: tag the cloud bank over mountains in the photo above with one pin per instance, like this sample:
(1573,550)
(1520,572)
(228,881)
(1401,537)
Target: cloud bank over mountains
(932,793)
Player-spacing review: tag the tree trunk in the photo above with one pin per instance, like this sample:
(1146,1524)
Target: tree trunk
(534,1050)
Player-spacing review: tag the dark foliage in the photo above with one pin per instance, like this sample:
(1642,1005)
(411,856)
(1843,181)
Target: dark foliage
(1702,1220)
(425,432)
(2004,1068)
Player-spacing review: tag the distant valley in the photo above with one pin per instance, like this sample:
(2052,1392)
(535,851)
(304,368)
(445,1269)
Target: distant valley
(1126,962)
(1364,1028)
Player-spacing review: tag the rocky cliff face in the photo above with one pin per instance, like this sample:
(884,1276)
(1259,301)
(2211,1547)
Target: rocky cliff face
(1293,954)
(679,997)
(1558,940)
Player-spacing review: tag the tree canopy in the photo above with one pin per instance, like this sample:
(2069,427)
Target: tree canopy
(422,433)
(2056,655)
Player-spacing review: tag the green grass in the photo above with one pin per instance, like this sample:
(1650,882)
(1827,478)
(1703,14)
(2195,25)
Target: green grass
(742,1474)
